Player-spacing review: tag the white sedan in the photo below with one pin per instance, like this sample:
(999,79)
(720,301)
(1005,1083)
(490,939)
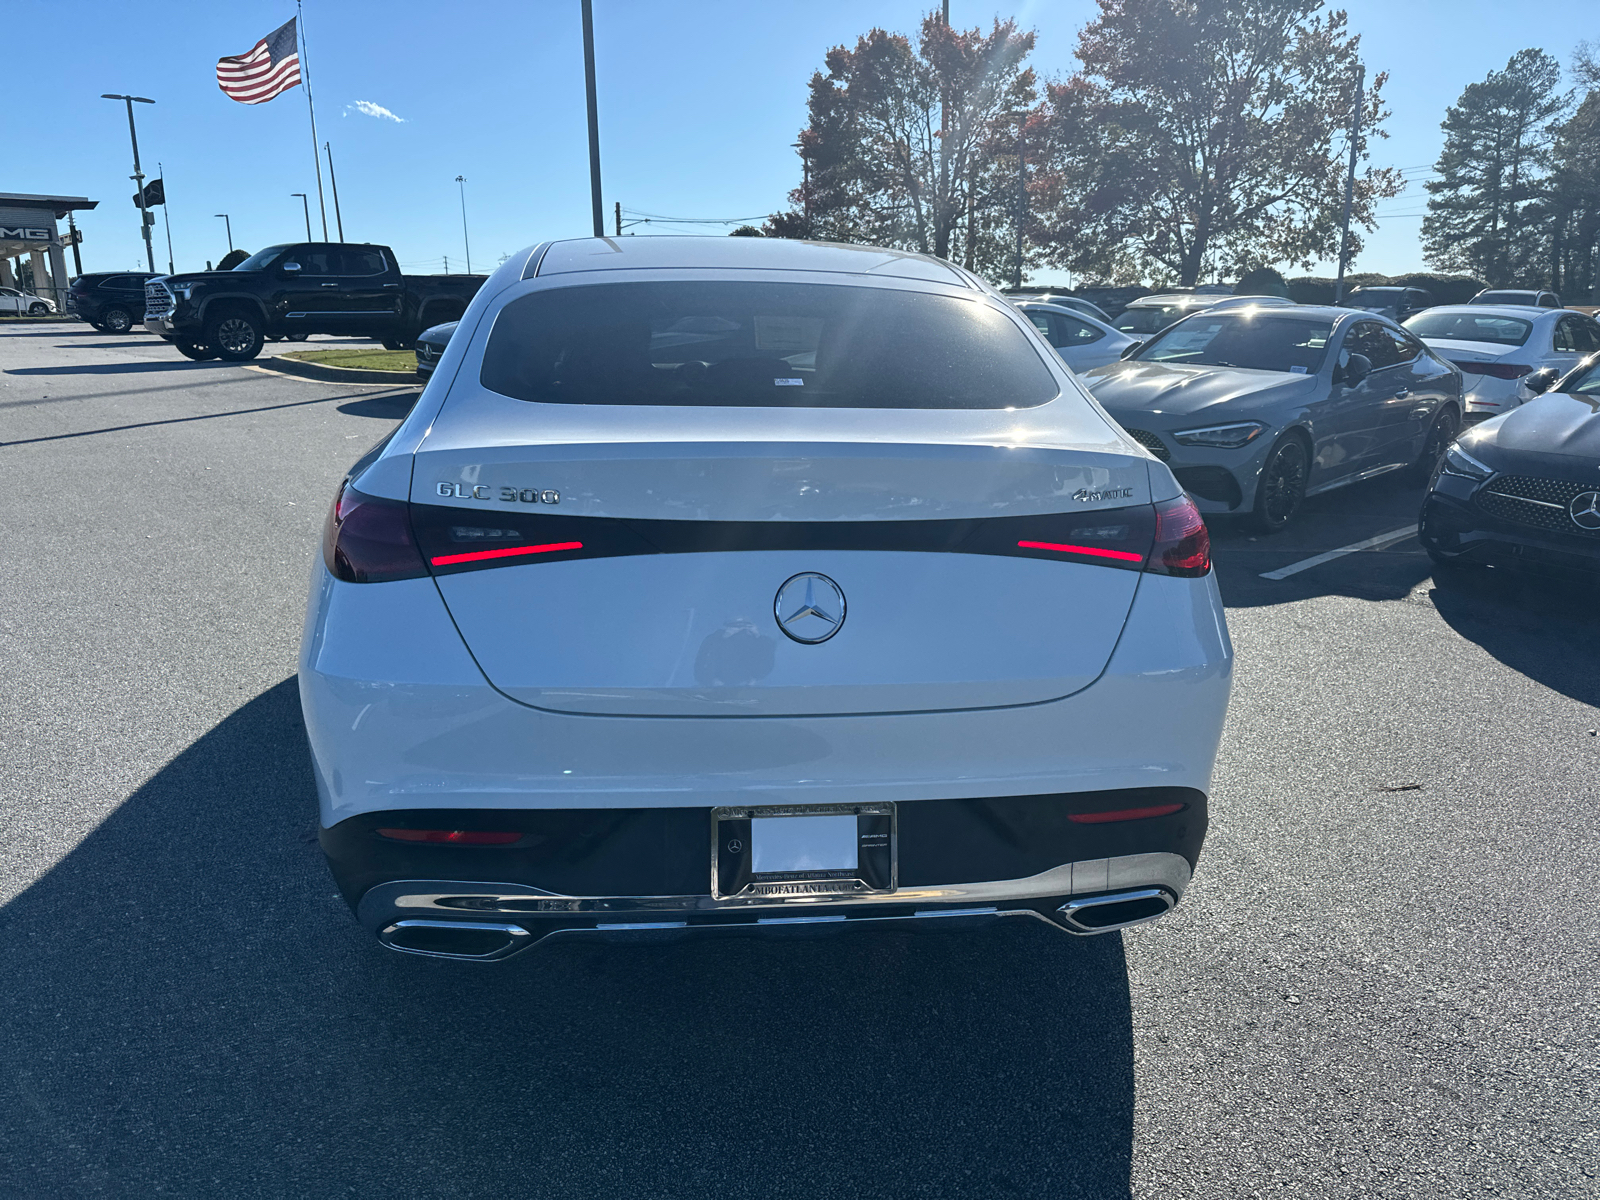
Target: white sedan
(1083,342)
(1496,346)
(746,581)
(24,303)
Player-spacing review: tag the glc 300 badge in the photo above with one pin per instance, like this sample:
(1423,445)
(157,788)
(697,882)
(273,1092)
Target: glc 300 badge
(1086,495)
(508,495)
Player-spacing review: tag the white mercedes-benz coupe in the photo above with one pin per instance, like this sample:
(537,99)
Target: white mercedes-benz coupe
(728,582)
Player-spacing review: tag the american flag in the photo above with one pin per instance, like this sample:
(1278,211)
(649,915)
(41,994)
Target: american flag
(271,67)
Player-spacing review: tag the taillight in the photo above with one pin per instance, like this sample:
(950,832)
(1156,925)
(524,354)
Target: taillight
(1182,546)
(453,837)
(368,540)
(1496,370)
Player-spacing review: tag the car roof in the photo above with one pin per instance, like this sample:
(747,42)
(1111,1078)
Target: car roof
(1173,300)
(1522,311)
(1066,312)
(578,255)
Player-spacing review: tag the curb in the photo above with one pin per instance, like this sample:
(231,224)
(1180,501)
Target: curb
(327,374)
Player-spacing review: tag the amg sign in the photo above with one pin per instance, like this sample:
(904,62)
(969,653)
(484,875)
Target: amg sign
(24,233)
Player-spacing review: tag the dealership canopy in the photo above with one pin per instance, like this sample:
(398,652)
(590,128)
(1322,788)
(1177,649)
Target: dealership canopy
(28,226)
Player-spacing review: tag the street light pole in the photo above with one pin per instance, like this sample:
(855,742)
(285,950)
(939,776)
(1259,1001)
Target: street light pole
(138,176)
(461,181)
(305,204)
(1350,181)
(229,225)
(334,182)
(594,119)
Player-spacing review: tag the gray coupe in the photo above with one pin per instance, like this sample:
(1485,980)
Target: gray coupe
(1256,408)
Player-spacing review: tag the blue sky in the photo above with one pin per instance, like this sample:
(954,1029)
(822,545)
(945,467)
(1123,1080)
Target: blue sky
(699,103)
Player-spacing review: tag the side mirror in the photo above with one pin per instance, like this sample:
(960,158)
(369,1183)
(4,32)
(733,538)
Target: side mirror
(1541,381)
(291,266)
(1356,368)
(1131,349)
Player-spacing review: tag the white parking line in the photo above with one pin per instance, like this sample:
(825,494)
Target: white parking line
(1371,543)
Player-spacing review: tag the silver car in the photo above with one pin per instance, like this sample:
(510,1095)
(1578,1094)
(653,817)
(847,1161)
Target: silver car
(1497,347)
(1082,342)
(1257,407)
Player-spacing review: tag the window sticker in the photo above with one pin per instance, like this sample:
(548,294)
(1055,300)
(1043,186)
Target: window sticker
(1297,370)
(782,336)
(789,382)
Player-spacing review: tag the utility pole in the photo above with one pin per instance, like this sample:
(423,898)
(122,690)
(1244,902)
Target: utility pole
(944,216)
(805,181)
(1350,180)
(77,259)
(594,120)
(305,203)
(166,216)
(333,180)
(229,225)
(461,182)
(138,175)
(619,218)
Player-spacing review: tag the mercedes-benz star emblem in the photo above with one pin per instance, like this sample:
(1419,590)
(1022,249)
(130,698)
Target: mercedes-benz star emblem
(1584,509)
(809,607)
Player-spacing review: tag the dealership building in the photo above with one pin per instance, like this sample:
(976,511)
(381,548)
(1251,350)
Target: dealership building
(28,231)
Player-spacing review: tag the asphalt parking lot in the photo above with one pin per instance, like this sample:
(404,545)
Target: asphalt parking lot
(1385,980)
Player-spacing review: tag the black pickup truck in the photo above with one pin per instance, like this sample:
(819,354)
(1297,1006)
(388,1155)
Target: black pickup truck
(290,291)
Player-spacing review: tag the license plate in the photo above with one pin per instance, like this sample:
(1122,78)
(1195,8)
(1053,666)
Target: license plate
(803,850)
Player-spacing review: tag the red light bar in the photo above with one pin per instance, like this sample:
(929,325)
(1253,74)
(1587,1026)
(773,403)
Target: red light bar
(446,560)
(453,837)
(1124,814)
(1092,551)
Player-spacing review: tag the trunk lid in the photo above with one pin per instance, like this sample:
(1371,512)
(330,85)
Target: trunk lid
(692,523)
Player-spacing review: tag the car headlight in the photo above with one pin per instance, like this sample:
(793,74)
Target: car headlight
(184,290)
(1458,462)
(1228,437)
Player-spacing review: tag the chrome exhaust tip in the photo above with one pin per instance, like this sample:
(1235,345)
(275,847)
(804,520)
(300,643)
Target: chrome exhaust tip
(1102,914)
(469,940)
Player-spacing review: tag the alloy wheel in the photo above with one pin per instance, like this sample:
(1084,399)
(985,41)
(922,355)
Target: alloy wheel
(235,335)
(1283,483)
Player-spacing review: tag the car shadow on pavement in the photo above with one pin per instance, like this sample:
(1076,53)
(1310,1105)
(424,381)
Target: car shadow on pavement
(1542,626)
(386,407)
(189,1009)
(127,368)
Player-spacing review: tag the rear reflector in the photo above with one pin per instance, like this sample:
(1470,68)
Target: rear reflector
(1496,370)
(1124,814)
(1091,551)
(445,560)
(452,837)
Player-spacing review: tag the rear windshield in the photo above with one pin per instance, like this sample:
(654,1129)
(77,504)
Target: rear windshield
(1506,298)
(1146,320)
(763,345)
(1471,327)
(1259,341)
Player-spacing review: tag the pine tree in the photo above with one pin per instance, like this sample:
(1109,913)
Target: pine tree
(1488,210)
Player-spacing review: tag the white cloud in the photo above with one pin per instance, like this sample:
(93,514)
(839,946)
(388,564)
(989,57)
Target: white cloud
(368,108)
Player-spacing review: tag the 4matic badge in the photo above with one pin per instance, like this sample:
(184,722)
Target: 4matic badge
(1088,495)
(507,495)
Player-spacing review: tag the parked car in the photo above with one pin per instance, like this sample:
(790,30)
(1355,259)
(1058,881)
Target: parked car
(714,589)
(1062,300)
(1082,341)
(1522,488)
(20,303)
(297,289)
(1112,300)
(430,347)
(1151,314)
(112,302)
(1496,347)
(1396,303)
(1256,408)
(1532,297)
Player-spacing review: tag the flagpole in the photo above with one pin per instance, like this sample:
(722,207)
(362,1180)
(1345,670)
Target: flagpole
(316,153)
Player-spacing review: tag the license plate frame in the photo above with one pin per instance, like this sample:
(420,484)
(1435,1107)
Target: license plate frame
(733,876)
